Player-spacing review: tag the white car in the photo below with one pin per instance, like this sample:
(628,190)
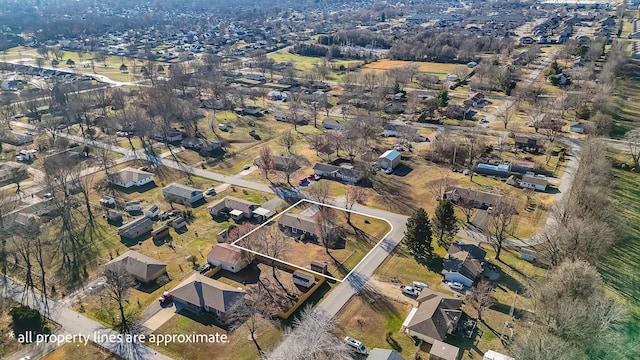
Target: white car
(210,191)
(455,285)
(356,345)
(419,285)
(410,291)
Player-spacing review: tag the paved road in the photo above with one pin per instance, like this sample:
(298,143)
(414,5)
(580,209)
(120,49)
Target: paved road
(74,323)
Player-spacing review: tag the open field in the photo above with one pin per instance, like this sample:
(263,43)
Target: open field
(110,67)
(356,240)
(620,268)
(307,63)
(626,101)
(80,351)
(239,345)
(428,67)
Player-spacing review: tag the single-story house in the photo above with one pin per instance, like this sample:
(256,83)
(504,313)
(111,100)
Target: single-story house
(465,262)
(501,170)
(152,211)
(332,124)
(338,172)
(181,194)
(443,351)
(529,143)
(238,209)
(479,199)
(535,182)
(389,160)
(522,166)
(277,95)
(281,163)
(384,354)
(251,110)
(436,316)
(298,224)
(170,136)
(199,144)
(16,139)
(26,155)
(476,100)
(199,293)
(136,228)
(492,355)
(230,257)
(391,130)
(576,127)
(130,177)
(142,267)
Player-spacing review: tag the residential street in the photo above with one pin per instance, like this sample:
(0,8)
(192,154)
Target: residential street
(75,323)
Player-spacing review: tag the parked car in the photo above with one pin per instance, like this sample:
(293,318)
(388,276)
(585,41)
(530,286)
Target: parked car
(246,167)
(455,285)
(410,291)
(388,170)
(311,177)
(210,191)
(356,345)
(419,285)
(47,195)
(165,297)
(302,181)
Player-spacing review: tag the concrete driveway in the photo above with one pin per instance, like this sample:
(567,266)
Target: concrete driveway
(160,318)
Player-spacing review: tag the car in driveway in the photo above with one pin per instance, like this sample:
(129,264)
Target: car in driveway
(454,285)
(165,297)
(410,291)
(210,191)
(246,167)
(302,181)
(356,345)
(419,285)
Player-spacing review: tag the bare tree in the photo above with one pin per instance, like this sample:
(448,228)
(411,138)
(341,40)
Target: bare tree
(251,312)
(501,224)
(633,142)
(311,338)
(327,230)
(288,140)
(116,285)
(266,161)
(352,195)
(481,297)
(319,192)
(468,206)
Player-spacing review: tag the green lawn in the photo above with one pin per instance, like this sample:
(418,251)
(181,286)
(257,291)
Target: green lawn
(307,63)
(626,101)
(621,268)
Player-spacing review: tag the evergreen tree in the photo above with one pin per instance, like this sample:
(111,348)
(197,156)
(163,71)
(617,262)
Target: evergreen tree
(418,234)
(445,223)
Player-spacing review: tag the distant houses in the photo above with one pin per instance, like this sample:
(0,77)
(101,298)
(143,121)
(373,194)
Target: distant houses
(182,194)
(130,177)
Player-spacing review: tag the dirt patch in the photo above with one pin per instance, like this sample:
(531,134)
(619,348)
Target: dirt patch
(390,290)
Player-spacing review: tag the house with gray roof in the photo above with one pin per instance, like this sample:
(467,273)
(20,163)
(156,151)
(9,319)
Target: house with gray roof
(436,316)
(477,198)
(384,354)
(281,163)
(142,267)
(198,293)
(182,194)
(238,209)
(130,177)
(338,172)
(464,263)
(443,351)
(136,228)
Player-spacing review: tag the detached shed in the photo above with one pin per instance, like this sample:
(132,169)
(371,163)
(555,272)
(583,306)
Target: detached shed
(303,278)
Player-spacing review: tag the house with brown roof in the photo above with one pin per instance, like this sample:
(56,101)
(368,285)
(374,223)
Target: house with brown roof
(142,267)
(298,224)
(478,198)
(229,257)
(443,351)
(436,316)
(464,263)
(130,177)
(198,293)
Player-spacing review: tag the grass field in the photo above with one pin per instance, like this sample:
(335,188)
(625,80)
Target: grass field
(80,351)
(109,68)
(427,67)
(626,102)
(239,347)
(307,63)
(621,269)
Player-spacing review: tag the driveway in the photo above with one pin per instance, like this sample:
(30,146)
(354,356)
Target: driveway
(160,318)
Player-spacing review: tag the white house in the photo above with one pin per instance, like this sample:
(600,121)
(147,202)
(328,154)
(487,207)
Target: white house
(535,182)
(229,257)
(130,177)
(452,77)
(492,355)
(255,77)
(465,262)
(389,160)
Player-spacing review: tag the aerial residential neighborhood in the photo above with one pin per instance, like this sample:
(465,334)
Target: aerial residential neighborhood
(323,179)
